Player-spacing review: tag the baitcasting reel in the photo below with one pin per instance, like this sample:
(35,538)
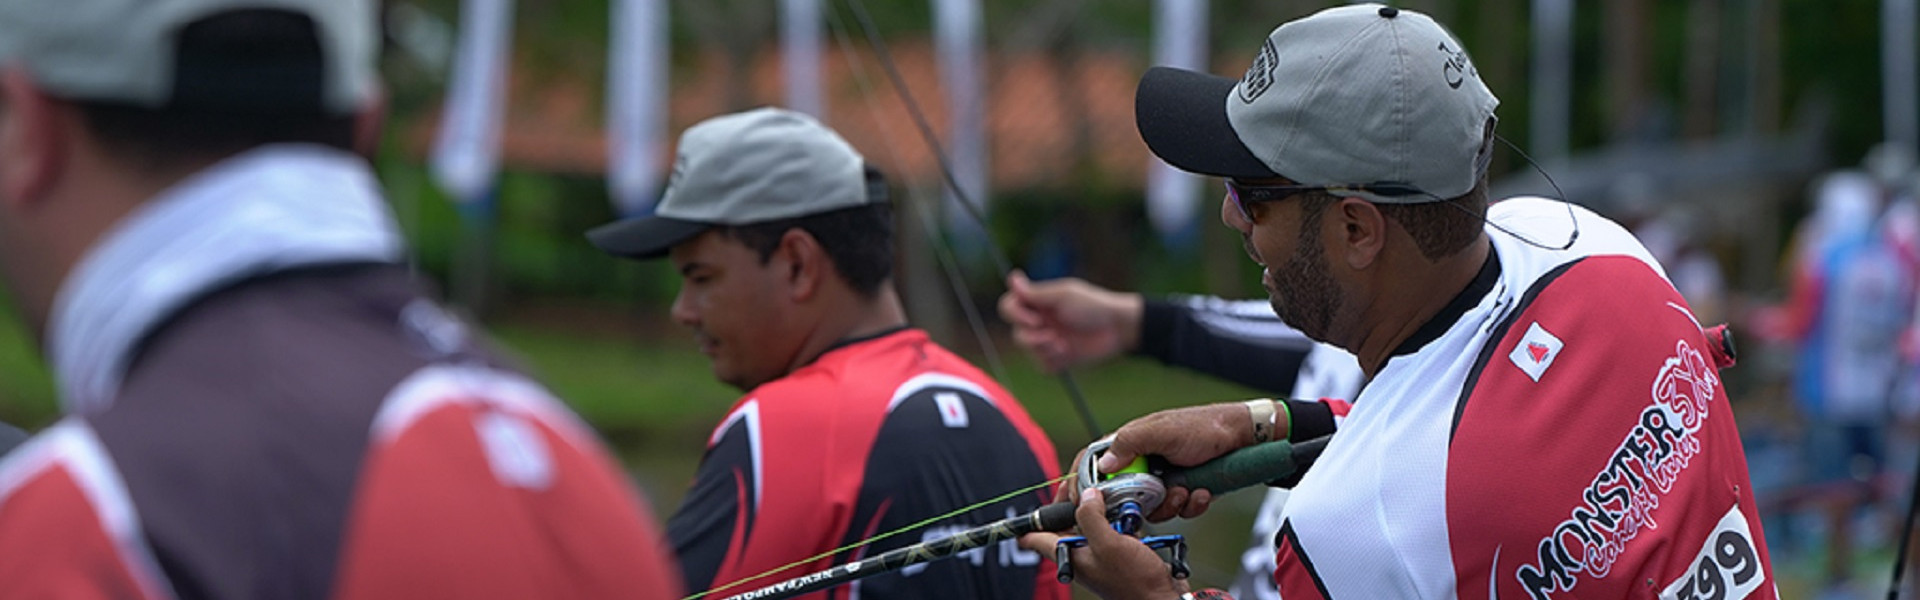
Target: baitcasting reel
(1131,493)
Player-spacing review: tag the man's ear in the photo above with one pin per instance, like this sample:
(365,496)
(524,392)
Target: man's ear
(1363,232)
(806,264)
(33,144)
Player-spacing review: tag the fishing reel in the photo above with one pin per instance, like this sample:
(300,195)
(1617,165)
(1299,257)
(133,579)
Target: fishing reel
(1131,494)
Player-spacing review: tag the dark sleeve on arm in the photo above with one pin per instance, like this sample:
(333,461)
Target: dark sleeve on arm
(702,529)
(1311,419)
(1172,333)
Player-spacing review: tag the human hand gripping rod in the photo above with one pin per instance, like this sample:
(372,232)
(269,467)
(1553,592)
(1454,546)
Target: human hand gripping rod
(1253,465)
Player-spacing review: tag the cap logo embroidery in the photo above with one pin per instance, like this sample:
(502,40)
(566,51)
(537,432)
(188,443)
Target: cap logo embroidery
(1260,75)
(1457,68)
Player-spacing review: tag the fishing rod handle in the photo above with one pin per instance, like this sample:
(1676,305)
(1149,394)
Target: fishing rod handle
(1247,467)
(1258,464)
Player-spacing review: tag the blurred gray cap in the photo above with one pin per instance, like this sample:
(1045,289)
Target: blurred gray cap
(761,165)
(124,51)
(1355,95)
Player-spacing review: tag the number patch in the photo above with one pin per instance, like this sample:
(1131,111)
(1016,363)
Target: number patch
(1727,567)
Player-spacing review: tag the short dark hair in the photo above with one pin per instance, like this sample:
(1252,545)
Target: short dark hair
(1446,227)
(242,79)
(1440,228)
(859,240)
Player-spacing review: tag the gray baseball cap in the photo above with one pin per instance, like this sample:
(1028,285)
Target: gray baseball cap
(1361,94)
(761,165)
(124,50)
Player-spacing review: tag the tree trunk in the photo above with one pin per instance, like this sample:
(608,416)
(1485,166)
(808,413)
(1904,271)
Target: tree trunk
(1497,54)
(1701,77)
(1626,67)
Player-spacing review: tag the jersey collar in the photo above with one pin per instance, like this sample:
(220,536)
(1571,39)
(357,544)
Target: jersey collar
(268,210)
(1466,299)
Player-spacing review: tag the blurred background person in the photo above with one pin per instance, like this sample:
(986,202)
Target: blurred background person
(1852,302)
(261,401)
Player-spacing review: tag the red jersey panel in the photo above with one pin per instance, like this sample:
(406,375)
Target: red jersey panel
(1619,435)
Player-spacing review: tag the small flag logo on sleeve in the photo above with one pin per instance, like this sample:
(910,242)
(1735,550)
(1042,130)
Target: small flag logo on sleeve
(1536,351)
(953,409)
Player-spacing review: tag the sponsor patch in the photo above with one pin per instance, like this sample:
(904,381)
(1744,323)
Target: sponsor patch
(1727,566)
(1536,351)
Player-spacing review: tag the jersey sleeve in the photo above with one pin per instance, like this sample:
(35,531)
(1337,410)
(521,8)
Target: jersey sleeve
(71,531)
(717,514)
(1238,341)
(773,490)
(1594,453)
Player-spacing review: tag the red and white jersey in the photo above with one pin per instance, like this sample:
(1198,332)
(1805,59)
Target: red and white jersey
(1559,431)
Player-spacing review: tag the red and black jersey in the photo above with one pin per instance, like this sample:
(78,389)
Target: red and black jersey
(873,436)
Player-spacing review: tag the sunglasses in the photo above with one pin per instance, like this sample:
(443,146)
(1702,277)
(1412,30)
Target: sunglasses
(1244,194)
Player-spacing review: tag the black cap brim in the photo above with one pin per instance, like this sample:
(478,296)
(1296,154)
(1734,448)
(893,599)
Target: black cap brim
(643,238)
(1182,115)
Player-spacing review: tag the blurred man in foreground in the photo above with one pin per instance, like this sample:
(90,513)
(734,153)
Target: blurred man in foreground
(853,424)
(262,402)
(1543,417)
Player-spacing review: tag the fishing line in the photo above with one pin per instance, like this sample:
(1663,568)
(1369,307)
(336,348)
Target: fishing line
(932,141)
(942,252)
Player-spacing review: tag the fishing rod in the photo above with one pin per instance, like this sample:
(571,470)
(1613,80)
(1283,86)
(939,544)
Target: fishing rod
(1129,496)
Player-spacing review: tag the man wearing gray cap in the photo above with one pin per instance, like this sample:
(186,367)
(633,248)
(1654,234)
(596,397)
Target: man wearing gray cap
(261,401)
(1542,416)
(853,424)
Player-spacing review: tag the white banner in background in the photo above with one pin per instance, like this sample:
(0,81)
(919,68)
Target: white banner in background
(636,104)
(800,56)
(466,153)
(1179,40)
(957,48)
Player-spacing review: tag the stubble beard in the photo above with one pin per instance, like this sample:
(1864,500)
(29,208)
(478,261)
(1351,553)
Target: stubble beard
(1303,292)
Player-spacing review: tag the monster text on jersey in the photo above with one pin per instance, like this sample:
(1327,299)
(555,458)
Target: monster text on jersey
(1621,498)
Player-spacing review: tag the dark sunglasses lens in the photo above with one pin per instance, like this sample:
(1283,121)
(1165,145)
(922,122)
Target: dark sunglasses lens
(1233,193)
